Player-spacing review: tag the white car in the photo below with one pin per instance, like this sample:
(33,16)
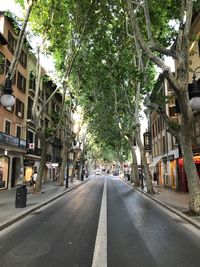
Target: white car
(98,172)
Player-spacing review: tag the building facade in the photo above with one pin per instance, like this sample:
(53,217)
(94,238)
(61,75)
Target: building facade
(20,147)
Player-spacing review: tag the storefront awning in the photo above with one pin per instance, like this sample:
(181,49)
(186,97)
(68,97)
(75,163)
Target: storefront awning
(155,161)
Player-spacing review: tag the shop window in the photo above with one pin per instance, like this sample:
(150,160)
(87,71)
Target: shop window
(19,111)
(11,42)
(21,83)
(7,127)
(4,163)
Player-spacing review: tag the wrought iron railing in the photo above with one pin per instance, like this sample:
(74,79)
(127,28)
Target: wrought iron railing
(12,140)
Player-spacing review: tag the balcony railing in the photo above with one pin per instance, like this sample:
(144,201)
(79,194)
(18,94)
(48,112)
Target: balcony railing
(36,151)
(10,140)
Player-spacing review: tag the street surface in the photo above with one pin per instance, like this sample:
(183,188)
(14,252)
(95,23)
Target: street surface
(103,222)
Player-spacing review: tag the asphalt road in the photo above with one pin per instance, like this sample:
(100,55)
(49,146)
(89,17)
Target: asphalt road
(125,229)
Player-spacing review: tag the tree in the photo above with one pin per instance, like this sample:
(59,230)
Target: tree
(151,45)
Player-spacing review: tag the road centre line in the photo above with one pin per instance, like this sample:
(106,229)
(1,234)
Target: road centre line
(100,250)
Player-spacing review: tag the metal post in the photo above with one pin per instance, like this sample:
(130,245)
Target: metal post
(67,177)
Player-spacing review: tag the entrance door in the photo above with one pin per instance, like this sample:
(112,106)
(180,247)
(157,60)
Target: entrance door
(15,171)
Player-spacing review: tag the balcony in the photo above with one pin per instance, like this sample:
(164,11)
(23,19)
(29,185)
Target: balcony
(6,139)
(30,117)
(35,151)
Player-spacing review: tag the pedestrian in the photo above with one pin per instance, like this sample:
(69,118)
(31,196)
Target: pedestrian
(155,178)
(82,174)
(34,178)
(141,177)
(128,175)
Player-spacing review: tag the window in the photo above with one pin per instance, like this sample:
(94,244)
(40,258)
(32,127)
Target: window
(158,124)
(36,141)
(199,47)
(30,106)
(54,107)
(2,63)
(19,111)
(11,42)
(172,111)
(11,109)
(46,123)
(18,131)
(152,131)
(7,65)
(21,83)
(164,145)
(32,81)
(23,59)
(7,127)
(47,106)
(29,137)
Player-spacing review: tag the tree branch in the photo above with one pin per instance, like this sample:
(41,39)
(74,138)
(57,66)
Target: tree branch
(20,41)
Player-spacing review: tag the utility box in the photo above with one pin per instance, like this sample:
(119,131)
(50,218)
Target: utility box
(21,195)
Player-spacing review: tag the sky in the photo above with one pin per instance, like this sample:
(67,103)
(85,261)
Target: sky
(12,6)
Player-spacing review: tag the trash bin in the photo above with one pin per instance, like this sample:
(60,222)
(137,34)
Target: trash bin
(21,193)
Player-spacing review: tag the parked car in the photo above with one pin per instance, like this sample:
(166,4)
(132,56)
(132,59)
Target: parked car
(98,172)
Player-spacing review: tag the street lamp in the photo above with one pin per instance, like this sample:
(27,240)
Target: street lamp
(195,92)
(7,99)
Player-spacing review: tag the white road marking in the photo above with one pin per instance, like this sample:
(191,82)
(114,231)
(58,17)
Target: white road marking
(100,250)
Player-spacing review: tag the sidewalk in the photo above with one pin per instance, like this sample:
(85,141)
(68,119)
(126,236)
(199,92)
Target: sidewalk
(173,200)
(50,191)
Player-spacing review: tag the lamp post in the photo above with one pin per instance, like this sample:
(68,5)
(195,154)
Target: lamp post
(7,99)
(195,91)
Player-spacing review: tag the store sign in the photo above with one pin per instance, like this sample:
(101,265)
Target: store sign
(31,145)
(164,159)
(147,141)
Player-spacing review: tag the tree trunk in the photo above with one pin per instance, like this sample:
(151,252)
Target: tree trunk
(185,137)
(43,161)
(63,164)
(134,166)
(147,175)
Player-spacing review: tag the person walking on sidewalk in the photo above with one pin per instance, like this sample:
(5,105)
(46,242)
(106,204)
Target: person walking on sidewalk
(34,177)
(155,178)
(141,177)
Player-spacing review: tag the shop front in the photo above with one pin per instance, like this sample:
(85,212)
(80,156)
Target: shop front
(4,172)
(169,169)
(183,184)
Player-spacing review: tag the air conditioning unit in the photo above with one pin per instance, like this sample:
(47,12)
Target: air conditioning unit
(19,114)
(31,146)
